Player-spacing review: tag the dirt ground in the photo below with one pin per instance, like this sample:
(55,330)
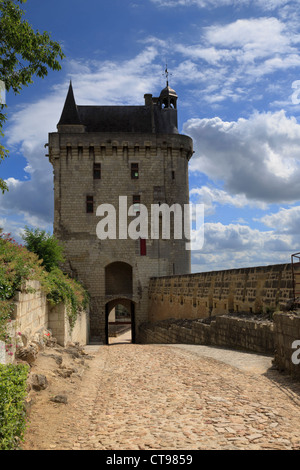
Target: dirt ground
(64,369)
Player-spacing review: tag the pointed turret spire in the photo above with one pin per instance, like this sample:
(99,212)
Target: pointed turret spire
(69,114)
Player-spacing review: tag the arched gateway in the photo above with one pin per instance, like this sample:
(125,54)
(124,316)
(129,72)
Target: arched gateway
(118,323)
(105,156)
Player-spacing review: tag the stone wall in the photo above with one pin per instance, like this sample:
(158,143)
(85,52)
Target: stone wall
(223,331)
(279,338)
(286,333)
(253,290)
(59,325)
(31,309)
(33,317)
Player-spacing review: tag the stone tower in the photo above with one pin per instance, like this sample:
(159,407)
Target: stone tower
(121,156)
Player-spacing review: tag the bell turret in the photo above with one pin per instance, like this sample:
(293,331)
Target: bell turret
(168,98)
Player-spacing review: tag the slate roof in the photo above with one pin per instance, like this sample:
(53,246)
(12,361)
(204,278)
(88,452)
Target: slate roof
(115,118)
(127,119)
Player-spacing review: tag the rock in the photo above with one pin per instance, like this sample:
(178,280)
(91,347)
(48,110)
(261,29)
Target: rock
(60,399)
(28,353)
(74,353)
(39,382)
(58,360)
(51,343)
(65,372)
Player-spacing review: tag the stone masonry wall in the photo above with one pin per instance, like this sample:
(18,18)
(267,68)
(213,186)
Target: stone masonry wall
(59,326)
(223,331)
(33,316)
(253,290)
(31,309)
(286,332)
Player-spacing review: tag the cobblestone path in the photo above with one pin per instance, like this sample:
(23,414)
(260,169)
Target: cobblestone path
(156,397)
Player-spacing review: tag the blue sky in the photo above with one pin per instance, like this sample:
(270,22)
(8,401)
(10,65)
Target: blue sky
(235,65)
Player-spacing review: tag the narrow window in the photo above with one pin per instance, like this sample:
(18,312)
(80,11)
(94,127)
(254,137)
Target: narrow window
(90,204)
(134,171)
(136,200)
(97,171)
(173,174)
(143,246)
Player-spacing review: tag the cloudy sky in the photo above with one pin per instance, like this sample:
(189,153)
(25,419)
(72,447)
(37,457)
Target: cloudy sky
(235,65)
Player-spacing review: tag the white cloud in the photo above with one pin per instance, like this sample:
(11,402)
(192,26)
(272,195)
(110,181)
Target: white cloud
(263,4)
(210,196)
(236,246)
(257,157)
(258,45)
(284,221)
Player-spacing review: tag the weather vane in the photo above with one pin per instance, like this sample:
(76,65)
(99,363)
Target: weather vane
(167,73)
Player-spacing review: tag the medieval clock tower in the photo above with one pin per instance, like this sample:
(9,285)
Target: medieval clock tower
(118,157)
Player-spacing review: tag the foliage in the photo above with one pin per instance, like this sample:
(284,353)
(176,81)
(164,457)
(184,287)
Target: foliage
(61,288)
(45,246)
(24,53)
(13,390)
(18,265)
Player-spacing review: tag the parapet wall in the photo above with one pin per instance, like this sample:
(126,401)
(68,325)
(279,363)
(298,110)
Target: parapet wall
(223,331)
(201,295)
(279,338)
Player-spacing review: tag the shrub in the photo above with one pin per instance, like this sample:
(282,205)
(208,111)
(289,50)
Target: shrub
(18,265)
(45,246)
(13,390)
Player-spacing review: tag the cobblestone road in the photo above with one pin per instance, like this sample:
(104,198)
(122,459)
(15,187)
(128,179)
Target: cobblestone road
(156,397)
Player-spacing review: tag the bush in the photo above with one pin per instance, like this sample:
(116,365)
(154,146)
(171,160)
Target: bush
(13,390)
(45,246)
(18,265)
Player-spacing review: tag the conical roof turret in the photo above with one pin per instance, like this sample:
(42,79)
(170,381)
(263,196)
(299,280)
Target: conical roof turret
(69,114)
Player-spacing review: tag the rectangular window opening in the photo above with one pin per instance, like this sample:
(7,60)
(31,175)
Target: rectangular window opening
(97,171)
(90,204)
(134,171)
